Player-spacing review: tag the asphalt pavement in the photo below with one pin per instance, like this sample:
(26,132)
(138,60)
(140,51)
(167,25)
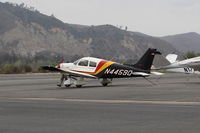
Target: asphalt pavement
(32,103)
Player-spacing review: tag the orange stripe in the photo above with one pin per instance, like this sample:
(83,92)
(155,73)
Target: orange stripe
(101,63)
(107,64)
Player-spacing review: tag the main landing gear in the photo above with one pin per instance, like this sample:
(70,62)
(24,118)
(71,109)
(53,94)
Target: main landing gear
(67,81)
(106,81)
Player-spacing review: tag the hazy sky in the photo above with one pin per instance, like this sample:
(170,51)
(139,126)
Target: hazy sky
(153,17)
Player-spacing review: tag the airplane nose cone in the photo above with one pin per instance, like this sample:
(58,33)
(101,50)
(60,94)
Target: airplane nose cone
(58,66)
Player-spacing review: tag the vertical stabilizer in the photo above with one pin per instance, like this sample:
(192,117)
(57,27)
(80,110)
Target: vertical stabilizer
(146,61)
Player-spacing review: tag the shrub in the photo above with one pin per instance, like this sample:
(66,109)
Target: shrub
(9,68)
(191,54)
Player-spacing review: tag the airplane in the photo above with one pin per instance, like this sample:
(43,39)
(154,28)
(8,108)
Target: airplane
(188,66)
(95,68)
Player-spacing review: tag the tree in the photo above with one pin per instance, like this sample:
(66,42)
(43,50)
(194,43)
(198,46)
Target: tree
(191,54)
(22,5)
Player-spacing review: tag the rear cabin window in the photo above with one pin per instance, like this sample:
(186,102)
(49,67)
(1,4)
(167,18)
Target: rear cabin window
(93,64)
(83,63)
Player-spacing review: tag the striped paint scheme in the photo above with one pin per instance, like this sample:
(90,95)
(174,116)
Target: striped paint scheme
(101,66)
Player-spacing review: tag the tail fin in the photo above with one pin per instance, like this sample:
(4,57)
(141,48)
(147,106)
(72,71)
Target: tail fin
(147,59)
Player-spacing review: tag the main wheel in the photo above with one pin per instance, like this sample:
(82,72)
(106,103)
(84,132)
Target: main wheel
(105,84)
(78,86)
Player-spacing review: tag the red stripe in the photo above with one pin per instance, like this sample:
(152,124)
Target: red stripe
(101,63)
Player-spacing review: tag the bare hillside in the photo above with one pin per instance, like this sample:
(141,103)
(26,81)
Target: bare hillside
(28,35)
(185,42)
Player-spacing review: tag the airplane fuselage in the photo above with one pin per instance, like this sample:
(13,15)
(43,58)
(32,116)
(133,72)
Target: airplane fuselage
(103,68)
(90,67)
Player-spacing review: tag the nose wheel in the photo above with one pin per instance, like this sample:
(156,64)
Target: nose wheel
(61,82)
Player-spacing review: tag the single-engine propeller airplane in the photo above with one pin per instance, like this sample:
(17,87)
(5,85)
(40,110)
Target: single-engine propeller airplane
(90,67)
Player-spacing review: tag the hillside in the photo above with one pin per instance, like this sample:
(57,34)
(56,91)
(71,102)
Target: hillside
(185,42)
(26,35)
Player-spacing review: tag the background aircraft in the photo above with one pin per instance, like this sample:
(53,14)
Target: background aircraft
(170,63)
(90,67)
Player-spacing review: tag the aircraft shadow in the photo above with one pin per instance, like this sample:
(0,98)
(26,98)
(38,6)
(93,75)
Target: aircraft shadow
(109,86)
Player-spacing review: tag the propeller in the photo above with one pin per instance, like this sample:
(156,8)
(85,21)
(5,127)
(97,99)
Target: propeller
(62,61)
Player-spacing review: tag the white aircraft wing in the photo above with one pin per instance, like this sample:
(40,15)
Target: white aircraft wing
(166,67)
(69,72)
(189,63)
(192,63)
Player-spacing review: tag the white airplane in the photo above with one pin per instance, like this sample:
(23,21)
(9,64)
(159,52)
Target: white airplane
(90,67)
(188,66)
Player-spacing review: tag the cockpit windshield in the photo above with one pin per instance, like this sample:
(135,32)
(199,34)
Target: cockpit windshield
(76,62)
(83,63)
(86,62)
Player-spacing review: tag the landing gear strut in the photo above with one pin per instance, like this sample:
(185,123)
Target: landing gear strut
(105,84)
(60,83)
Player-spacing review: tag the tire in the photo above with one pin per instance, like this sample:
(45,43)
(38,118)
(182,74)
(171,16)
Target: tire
(105,84)
(67,85)
(78,86)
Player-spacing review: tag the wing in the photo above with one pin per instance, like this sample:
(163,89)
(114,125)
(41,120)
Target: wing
(69,72)
(166,67)
(194,65)
(191,63)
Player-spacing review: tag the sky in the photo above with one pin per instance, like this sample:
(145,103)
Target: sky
(152,17)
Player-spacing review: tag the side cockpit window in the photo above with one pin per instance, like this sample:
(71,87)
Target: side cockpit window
(92,64)
(83,63)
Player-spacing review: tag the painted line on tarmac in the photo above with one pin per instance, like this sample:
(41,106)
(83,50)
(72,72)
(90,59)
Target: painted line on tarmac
(106,101)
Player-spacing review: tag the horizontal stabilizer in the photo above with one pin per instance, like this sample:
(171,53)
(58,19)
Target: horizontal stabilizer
(141,74)
(157,73)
